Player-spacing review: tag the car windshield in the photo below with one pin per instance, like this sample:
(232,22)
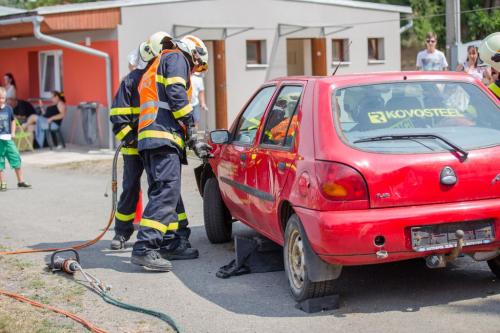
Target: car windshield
(396,117)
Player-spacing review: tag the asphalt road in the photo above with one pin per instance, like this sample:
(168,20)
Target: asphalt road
(68,206)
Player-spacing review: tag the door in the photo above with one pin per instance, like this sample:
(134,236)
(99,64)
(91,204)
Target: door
(274,158)
(298,57)
(236,156)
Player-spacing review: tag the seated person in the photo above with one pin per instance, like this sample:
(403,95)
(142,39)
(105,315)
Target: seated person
(23,110)
(50,118)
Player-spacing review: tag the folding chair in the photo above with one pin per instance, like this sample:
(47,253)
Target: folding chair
(23,139)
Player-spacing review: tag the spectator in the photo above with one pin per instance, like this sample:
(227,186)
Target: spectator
(8,149)
(10,87)
(431,59)
(471,65)
(50,118)
(198,97)
(23,110)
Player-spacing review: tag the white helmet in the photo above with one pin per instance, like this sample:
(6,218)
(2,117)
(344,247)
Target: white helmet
(197,50)
(153,47)
(488,48)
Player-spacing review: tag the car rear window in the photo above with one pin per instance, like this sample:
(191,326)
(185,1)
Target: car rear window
(459,112)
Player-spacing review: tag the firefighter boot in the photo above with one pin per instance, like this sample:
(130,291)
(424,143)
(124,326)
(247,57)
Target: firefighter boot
(182,251)
(152,260)
(118,242)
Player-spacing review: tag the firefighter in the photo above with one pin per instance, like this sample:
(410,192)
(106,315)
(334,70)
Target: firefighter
(124,115)
(166,127)
(490,53)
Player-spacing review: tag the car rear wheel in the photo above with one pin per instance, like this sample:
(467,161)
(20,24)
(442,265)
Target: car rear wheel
(215,213)
(495,266)
(296,267)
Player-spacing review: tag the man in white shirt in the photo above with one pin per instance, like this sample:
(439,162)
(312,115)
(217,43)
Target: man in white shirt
(431,59)
(198,97)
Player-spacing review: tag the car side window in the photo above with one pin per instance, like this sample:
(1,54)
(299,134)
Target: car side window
(252,116)
(281,121)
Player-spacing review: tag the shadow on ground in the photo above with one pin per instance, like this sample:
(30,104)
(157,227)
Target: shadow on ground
(405,286)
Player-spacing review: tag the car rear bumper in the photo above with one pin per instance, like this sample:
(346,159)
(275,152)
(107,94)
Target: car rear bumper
(347,237)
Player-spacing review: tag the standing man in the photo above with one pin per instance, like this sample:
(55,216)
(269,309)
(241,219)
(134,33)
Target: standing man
(431,59)
(198,99)
(490,49)
(166,126)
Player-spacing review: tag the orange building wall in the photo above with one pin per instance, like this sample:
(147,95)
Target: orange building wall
(84,75)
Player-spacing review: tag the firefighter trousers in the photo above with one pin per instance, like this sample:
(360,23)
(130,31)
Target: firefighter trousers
(163,169)
(131,185)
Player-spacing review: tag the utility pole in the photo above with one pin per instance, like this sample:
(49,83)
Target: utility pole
(453,36)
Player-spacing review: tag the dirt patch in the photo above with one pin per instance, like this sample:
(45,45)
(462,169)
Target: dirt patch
(25,278)
(30,279)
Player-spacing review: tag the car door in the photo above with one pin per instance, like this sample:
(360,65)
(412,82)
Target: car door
(274,157)
(236,155)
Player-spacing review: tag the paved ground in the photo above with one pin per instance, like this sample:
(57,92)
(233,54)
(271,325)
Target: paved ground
(68,205)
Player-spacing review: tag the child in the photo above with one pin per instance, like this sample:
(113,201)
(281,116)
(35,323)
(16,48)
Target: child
(8,149)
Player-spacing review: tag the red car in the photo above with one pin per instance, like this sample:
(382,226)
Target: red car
(360,169)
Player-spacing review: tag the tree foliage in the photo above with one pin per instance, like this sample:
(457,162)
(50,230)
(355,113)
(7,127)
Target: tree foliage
(479,18)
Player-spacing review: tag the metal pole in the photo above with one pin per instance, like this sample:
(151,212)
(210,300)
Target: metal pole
(37,20)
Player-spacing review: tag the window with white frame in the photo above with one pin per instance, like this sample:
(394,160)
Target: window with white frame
(340,50)
(376,50)
(50,72)
(256,52)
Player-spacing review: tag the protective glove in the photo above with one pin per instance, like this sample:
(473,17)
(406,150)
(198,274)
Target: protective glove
(201,149)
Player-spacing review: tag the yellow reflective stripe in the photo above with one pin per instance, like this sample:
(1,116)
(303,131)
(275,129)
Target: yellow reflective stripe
(154,225)
(173,226)
(496,89)
(170,80)
(124,218)
(129,151)
(123,133)
(182,216)
(124,111)
(159,226)
(150,134)
(182,112)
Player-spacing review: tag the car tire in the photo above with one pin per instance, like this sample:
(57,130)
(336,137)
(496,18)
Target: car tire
(301,286)
(216,215)
(495,266)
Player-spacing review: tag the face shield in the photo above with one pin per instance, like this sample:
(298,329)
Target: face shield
(135,61)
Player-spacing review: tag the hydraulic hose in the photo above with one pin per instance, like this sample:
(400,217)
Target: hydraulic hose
(114,189)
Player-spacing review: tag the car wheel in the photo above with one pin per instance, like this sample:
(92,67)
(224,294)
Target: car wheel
(296,266)
(215,213)
(495,266)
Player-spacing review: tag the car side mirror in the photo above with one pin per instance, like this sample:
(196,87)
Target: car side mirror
(219,136)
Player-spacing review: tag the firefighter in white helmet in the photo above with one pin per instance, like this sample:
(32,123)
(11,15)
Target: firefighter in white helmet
(490,54)
(166,127)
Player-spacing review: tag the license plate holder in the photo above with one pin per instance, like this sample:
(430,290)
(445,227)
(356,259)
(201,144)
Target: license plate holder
(442,236)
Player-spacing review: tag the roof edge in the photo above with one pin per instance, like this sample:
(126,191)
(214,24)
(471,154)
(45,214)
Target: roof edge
(361,4)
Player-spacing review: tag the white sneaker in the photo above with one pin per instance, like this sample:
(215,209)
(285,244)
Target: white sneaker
(59,147)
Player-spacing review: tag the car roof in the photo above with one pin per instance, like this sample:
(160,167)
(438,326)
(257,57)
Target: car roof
(381,77)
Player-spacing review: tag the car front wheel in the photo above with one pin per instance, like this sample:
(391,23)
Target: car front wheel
(296,267)
(495,266)
(216,215)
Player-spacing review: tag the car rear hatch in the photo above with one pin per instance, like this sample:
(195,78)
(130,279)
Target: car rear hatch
(421,142)
(431,178)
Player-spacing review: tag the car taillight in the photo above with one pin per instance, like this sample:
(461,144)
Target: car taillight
(339,182)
